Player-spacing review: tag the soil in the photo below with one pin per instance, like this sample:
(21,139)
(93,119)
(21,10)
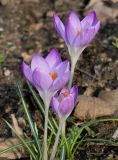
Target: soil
(26,28)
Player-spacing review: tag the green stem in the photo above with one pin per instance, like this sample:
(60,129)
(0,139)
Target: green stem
(47,103)
(57,140)
(72,73)
(63,131)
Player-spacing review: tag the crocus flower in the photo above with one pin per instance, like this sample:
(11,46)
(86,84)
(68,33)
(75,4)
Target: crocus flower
(63,104)
(48,75)
(77,34)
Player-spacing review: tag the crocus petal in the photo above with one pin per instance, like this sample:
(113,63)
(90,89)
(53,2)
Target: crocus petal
(85,37)
(89,20)
(27,72)
(62,67)
(40,62)
(63,75)
(66,106)
(74,92)
(53,58)
(61,82)
(59,26)
(97,27)
(55,104)
(41,79)
(73,27)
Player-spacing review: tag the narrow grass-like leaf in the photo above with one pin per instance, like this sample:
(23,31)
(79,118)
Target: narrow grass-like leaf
(100,140)
(40,105)
(30,151)
(32,127)
(15,146)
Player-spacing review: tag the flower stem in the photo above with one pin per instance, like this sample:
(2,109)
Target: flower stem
(47,103)
(72,74)
(56,140)
(63,134)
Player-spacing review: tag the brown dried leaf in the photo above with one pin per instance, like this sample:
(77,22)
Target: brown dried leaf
(110,97)
(92,107)
(104,12)
(14,154)
(16,126)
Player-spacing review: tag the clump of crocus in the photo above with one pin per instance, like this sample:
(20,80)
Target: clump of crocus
(63,105)
(77,34)
(48,75)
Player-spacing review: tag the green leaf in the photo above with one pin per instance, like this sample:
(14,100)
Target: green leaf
(41,108)
(2,58)
(28,148)
(32,126)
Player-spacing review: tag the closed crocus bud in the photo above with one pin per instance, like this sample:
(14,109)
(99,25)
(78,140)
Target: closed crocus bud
(48,75)
(63,104)
(77,34)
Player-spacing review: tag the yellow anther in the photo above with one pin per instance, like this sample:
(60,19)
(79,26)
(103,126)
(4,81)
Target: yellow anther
(54,75)
(65,94)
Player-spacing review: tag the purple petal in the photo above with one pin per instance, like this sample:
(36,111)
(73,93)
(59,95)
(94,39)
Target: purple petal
(27,72)
(55,104)
(66,106)
(74,92)
(60,28)
(40,62)
(62,81)
(73,27)
(42,80)
(89,20)
(97,27)
(62,67)
(85,37)
(53,58)
(63,75)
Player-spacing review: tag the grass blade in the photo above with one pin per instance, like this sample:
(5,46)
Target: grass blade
(22,140)
(32,127)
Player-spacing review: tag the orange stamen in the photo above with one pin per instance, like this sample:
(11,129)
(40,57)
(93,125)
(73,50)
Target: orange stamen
(65,94)
(54,75)
(78,32)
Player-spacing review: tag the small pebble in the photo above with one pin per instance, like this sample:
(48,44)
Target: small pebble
(7,72)
(1,29)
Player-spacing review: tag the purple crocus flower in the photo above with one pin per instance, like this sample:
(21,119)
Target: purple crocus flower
(48,74)
(77,34)
(64,103)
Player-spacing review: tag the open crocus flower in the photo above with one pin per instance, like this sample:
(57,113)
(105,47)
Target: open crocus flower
(48,74)
(64,103)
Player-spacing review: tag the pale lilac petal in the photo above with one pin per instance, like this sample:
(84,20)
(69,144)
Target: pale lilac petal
(55,104)
(73,27)
(85,37)
(66,106)
(74,92)
(41,79)
(27,72)
(40,62)
(89,20)
(53,58)
(62,67)
(97,27)
(61,82)
(63,75)
(60,28)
